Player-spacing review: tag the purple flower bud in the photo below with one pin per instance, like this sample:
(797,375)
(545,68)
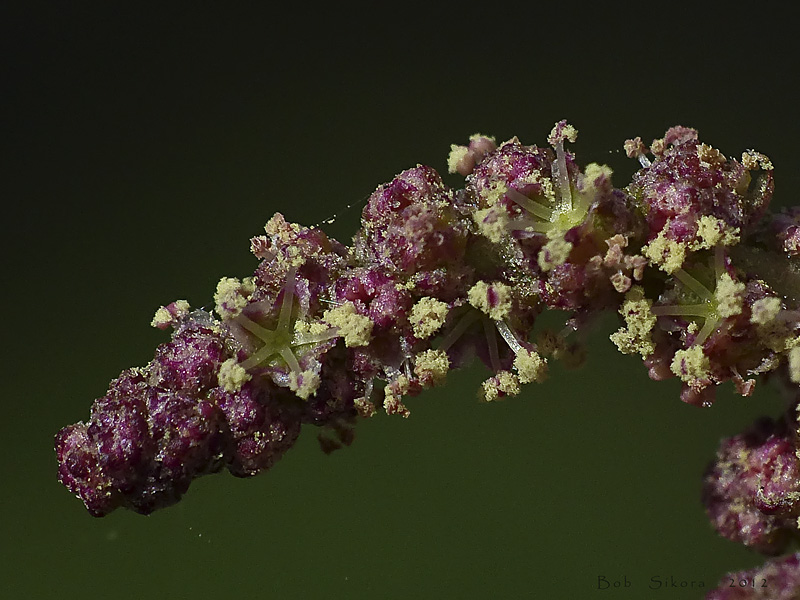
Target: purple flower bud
(190,362)
(142,447)
(689,180)
(260,425)
(120,430)
(80,473)
(411,224)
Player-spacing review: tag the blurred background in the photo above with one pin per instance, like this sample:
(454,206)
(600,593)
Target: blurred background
(144,147)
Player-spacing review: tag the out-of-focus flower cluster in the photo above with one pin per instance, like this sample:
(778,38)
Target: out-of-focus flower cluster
(778,579)
(702,275)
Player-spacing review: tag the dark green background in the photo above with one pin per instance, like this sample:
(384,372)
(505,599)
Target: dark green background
(143,150)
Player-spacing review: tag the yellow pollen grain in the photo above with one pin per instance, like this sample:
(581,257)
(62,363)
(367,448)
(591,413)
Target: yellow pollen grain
(709,156)
(639,321)
(493,193)
(713,231)
(312,327)
(597,176)
(753,160)
(164,317)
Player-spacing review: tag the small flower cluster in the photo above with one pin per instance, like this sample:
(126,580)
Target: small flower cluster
(702,275)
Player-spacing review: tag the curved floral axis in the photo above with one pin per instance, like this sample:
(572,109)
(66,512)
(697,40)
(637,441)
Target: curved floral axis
(704,277)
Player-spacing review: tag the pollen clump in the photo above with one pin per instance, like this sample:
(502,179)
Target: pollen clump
(690,365)
(232,296)
(554,253)
(170,314)
(458,155)
(310,327)
(304,384)
(393,397)
(232,376)
(710,157)
(431,367)
(493,223)
(666,253)
(729,295)
(427,317)
(494,193)
(596,176)
(503,384)
(530,366)
(562,131)
(494,299)
(765,310)
(356,329)
(639,321)
(753,160)
(713,232)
